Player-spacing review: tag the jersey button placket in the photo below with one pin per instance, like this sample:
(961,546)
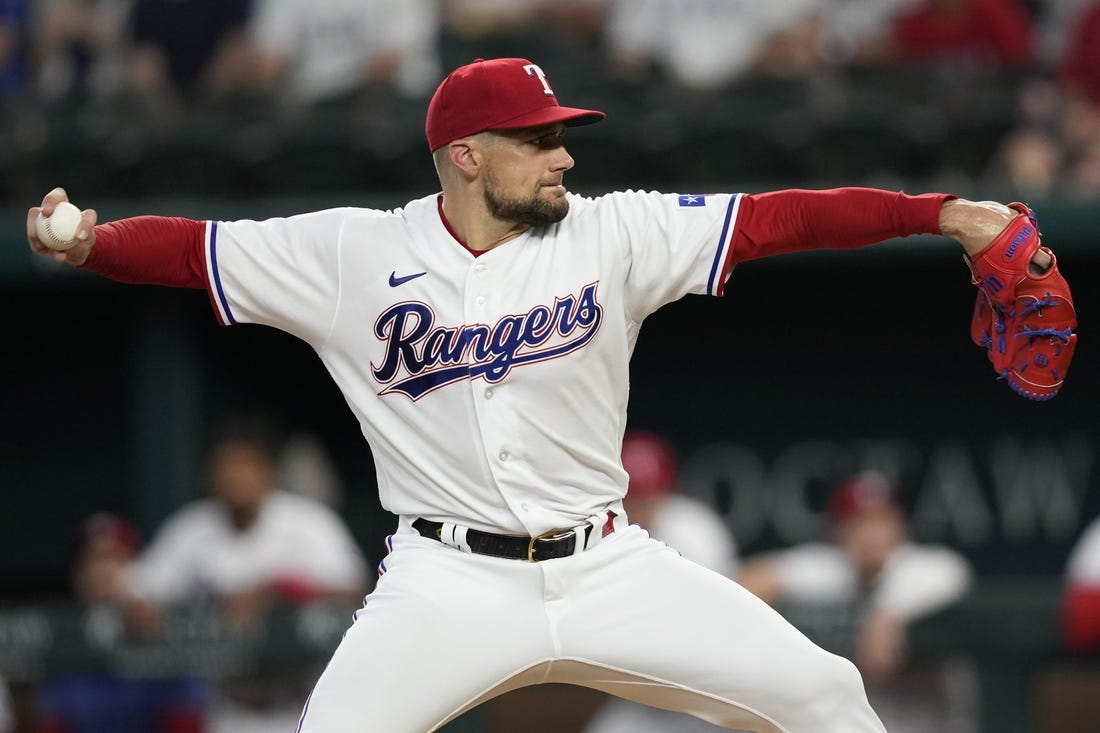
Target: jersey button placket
(480,286)
(479,309)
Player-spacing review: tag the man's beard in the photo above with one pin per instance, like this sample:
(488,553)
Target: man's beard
(535,211)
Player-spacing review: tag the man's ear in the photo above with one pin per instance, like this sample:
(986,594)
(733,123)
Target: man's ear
(467,156)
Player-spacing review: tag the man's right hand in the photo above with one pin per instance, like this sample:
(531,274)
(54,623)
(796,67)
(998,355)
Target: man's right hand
(85,234)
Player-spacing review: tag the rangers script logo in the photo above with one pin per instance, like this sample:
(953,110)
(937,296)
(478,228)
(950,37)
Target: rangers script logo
(421,357)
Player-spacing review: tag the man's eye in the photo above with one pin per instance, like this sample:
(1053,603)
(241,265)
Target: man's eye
(547,142)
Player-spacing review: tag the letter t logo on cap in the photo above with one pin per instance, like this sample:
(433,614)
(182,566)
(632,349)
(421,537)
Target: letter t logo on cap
(534,70)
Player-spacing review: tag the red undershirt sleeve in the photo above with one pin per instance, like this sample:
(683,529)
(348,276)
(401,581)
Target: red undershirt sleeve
(794,219)
(151,250)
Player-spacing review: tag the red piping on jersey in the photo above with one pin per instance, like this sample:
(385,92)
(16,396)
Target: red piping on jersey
(452,232)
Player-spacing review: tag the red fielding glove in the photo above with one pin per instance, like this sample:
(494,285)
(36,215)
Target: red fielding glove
(1023,319)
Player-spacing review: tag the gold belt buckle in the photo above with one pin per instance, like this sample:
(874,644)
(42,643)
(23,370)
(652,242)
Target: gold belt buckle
(548,535)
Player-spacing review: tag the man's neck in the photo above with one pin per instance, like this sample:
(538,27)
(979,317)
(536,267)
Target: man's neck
(475,228)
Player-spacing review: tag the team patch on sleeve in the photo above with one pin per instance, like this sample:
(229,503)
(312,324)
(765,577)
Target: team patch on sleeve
(694,199)
(723,254)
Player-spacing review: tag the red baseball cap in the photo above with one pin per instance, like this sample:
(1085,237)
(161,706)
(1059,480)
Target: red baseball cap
(651,463)
(496,94)
(860,493)
(108,530)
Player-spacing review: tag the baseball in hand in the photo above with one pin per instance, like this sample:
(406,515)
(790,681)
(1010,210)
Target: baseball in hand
(58,232)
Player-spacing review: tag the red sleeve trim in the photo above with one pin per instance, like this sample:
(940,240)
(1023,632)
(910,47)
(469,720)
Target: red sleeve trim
(843,218)
(151,250)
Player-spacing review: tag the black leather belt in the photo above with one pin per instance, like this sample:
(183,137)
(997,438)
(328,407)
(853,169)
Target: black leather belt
(554,544)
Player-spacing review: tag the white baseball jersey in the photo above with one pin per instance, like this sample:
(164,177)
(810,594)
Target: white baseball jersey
(492,389)
(1083,566)
(198,551)
(916,580)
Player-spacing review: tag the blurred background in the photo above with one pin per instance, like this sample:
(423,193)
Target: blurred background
(140,440)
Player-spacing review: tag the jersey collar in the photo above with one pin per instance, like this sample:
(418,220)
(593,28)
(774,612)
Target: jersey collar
(452,232)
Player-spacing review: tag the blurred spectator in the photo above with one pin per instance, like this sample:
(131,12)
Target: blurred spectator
(188,45)
(102,701)
(871,563)
(247,547)
(1058,143)
(1056,20)
(703,44)
(570,32)
(1080,619)
(250,543)
(80,46)
(474,19)
(330,49)
(13,51)
(967,34)
(1080,77)
(858,32)
(654,501)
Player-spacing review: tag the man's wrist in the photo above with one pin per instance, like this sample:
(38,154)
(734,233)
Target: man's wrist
(974,224)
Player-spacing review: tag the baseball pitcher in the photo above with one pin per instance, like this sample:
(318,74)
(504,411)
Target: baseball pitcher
(482,336)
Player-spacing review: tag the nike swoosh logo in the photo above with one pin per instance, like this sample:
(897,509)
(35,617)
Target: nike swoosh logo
(395,280)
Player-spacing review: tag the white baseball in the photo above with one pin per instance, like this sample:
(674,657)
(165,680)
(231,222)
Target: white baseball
(59,230)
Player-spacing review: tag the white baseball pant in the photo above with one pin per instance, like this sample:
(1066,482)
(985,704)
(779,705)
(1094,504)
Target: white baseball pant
(445,630)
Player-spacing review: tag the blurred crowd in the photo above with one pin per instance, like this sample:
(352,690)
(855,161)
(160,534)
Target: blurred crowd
(242,549)
(265,536)
(1026,69)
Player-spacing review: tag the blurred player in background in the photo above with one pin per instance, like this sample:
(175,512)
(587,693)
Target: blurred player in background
(102,701)
(654,501)
(871,562)
(247,547)
(1069,699)
(1080,615)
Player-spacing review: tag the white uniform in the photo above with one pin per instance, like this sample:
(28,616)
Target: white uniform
(917,580)
(493,391)
(1083,567)
(199,553)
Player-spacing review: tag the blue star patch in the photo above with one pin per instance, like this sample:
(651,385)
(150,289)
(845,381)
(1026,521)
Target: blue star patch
(693,200)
